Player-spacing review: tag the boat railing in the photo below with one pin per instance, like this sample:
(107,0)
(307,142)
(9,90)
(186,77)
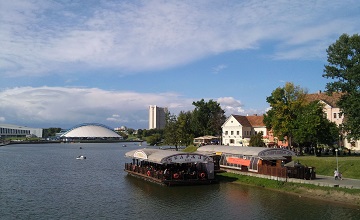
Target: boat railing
(166,174)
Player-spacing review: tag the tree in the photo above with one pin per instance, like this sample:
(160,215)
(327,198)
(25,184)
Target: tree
(313,128)
(257,140)
(344,71)
(207,118)
(171,135)
(50,132)
(153,139)
(184,128)
(285,104)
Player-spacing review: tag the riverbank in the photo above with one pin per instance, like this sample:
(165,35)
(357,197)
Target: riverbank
(329,194)
(70,142)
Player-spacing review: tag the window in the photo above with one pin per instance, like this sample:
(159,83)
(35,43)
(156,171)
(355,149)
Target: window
(339,115)
(226,132)
(237,132)
(232,141)
(334,115)
(232,132)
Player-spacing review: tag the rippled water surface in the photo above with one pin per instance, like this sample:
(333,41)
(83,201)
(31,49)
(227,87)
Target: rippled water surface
(45,181)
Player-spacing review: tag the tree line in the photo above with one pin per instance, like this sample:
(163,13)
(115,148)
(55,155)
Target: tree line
(180,130)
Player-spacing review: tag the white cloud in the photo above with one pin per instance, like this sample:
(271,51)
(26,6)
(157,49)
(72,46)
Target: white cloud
(219,68)
(231,105)
(42,37)
(2,119)
(71,106)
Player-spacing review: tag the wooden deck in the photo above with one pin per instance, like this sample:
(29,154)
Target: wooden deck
(169,178)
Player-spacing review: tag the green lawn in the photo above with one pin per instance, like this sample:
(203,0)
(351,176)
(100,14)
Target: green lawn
(349,166)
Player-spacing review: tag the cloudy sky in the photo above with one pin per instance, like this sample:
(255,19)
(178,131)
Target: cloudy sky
(68,62)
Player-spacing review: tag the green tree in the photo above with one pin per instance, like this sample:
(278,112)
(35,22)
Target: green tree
(50,132)
(123,134)
(285,104)
(184,128)
(343,69)
(207,118)
(257,140)
(313,128)
(171,134)
(154,139)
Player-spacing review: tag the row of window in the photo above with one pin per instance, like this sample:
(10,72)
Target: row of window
(247,133)
(337,114)
(14,131)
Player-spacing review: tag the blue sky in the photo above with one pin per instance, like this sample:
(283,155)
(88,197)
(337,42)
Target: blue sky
(65,62)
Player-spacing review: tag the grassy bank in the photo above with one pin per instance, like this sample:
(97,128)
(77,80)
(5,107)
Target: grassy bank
(349,166)
(341,195)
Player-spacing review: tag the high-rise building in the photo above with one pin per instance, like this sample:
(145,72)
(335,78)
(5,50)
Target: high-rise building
(157,117)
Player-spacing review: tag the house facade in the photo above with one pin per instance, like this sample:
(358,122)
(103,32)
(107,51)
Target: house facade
(237,129)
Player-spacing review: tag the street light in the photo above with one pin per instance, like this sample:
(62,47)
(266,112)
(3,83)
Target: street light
(337,161)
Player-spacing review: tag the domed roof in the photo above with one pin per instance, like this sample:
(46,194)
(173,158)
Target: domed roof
(91,130)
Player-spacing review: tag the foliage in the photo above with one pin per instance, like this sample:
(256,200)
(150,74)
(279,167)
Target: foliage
(207,118)
(171,135)
(184,128)
(313,127)
(344,70)
(152,136)
(50,132)
(301,122)
(285,104)
(257,140)
(154,139)
(123,134)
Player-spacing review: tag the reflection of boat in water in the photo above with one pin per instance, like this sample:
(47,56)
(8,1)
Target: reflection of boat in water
(171,168)
(81,157)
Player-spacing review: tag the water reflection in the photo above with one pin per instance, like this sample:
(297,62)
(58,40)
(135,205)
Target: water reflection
(47,182)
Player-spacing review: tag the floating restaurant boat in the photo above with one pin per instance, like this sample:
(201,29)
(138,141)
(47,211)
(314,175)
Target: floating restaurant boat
(171,168)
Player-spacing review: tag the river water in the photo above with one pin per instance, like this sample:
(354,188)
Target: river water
(45,181)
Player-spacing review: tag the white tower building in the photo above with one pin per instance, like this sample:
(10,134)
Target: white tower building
(157,117)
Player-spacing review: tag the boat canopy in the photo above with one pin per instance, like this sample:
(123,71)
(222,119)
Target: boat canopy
(167,157)
(260,152)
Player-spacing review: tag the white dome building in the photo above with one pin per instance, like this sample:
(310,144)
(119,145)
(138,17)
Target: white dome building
(91,131)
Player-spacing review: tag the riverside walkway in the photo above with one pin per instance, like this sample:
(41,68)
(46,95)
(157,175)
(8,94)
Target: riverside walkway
(330,181)
(320,180)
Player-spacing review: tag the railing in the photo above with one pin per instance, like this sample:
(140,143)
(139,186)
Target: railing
(273,171)
(168,175)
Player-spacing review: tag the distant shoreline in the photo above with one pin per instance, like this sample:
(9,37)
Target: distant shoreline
(68,142)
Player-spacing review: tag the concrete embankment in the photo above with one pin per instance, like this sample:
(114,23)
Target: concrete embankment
(320,180)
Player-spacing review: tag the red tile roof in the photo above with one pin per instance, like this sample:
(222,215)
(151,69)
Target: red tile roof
(250,121)
(328,99)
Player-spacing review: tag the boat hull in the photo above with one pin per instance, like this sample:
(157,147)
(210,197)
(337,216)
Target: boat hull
(172,182)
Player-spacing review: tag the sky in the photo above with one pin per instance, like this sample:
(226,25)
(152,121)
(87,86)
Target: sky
(68,62)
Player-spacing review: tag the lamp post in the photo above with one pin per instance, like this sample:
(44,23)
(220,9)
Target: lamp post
(337,161)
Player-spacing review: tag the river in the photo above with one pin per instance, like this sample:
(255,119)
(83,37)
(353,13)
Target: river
(45,181)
